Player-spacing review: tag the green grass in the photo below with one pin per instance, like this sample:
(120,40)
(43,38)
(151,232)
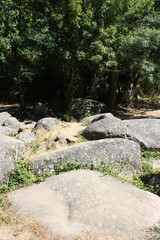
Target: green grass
(23,175)
(154,232)
(145,180)
(4,217)
(148,155)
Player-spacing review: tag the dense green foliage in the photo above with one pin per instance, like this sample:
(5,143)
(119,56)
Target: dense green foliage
(56,50)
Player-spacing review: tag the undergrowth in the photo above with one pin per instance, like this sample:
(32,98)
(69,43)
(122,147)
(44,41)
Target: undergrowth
(154,232)
(23,175)
(149,178)
(5,218)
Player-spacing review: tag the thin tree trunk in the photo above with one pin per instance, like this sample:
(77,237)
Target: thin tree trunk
(19,80)
(113,85)
(69,91)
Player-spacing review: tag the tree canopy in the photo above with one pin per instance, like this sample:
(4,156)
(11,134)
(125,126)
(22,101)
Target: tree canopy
(58,50)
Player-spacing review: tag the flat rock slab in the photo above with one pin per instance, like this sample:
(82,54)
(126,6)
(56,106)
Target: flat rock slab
(145,131)
(10,151)
(115,153)
(79,202)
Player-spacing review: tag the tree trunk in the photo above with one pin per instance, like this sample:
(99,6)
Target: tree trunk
(69,91)
(113,85)
(19,80)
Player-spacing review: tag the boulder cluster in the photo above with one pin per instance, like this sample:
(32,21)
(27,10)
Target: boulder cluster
(84,201)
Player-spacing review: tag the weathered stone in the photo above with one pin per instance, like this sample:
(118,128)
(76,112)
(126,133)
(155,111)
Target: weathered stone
(7,131)
(60,138)
(3,117)
(119,153)
(27,125)
(145,131)
(46,123)
(10,151)
(12,123)
(71,139)
(81,107)
(39,111)
(27,137)
(97,117)
(86,202)
(155,164)
(109,127)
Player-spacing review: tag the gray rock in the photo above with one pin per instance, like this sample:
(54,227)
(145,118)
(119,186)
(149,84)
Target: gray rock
(116,153)
(39,111)
(27,137)
(155,164)
(145,131)
(10,151)
(109,127)
(97,117)
(12,123)
(7,131)
(46,123)
(27,125)
(81,107)
(60,138)
(3,117)
(81,202)
(71,139)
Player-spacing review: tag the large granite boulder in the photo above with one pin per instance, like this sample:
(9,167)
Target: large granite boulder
(10,151)
(85,204)
(108,127)
(121,154)
(12,123)
(4,116)
(95,118)
(47,123)
(81,107)
(39,111)
(145,131)
(7,130)
(8,124)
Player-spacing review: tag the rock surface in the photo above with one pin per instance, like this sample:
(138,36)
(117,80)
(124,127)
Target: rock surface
(3,117)
(27,137)
(78,202)
(145,131)
(155,164)
(46,123)
(7,131)
(8,124)
(12,123)
(39,111)
(119,153)
(97,117)
(108,127)
(27,125)
(81,107)
(10,151)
